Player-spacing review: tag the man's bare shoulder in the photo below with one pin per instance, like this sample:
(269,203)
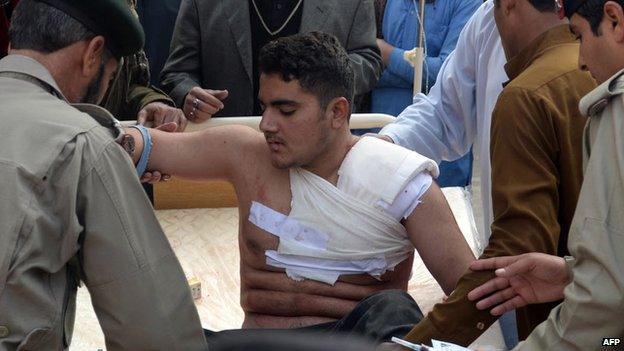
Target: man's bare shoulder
(248,148)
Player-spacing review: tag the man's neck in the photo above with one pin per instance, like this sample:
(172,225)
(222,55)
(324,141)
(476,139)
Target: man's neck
(57,64)
(327,165)
(540,23)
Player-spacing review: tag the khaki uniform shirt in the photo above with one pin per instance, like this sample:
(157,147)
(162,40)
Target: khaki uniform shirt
(593,309)
(536,142)
(70,202)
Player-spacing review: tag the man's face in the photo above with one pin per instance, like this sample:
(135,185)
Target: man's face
(296,129)
(99,83)
(596,53)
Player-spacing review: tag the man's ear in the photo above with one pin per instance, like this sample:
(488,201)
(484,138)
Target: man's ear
(614,15)
(92,57)
(339,112)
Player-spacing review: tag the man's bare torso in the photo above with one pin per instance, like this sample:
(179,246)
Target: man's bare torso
(269,298)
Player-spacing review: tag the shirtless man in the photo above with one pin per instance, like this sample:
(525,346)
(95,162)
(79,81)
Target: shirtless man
(306,91)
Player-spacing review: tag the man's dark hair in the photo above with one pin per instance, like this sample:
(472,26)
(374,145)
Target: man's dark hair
(316,60)
(540,5)
(43,28)
(593,12)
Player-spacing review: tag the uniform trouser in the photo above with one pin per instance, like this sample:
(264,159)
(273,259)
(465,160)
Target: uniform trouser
(374,320)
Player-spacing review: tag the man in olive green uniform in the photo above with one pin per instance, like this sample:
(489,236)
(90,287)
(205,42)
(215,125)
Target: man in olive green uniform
(591,280)
(71,206)
(131,97)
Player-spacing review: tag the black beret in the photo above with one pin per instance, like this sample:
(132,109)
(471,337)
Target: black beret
(112,19)
(571,6)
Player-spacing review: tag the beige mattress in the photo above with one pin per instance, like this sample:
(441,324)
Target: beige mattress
(205,241)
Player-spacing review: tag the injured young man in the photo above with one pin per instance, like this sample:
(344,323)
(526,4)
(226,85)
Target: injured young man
(327,218)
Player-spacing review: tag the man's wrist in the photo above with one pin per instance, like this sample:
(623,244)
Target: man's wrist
(136,135)
(144,155)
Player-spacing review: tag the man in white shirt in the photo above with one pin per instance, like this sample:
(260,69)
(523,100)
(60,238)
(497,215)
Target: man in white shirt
(444,124)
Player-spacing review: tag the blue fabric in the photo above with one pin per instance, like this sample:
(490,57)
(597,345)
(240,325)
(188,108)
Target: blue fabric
(444,20)
(509,328)
(141,166)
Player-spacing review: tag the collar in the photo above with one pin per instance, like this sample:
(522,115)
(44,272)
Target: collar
(551,38)
(32,68)
(594,102)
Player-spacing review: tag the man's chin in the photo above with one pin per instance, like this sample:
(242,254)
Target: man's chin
(281,164)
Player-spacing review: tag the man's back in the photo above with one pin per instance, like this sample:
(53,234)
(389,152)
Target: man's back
(73,209)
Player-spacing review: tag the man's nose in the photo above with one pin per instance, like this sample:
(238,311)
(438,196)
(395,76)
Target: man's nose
(267,123)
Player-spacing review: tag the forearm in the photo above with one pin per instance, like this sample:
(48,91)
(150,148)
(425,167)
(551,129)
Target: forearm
(212,153)
(439,241)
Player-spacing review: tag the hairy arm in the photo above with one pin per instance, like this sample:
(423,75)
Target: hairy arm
(435,234)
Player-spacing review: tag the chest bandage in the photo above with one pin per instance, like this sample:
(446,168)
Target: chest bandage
(354,227)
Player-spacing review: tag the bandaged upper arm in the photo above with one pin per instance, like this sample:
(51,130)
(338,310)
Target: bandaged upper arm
(409,198)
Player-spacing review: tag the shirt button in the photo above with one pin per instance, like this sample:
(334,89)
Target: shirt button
(480,326)
(279,6)
(4,331)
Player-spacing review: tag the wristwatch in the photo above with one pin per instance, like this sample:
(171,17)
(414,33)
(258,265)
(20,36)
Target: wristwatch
(127,143)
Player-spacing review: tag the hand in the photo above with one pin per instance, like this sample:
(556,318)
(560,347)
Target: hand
(201,104)
(521,280)
(154,177)
(379,136)
(386,51)
(159,113)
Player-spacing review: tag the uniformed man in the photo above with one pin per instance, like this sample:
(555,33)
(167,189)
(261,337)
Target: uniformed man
(591,280)
(132,97)
(71,206)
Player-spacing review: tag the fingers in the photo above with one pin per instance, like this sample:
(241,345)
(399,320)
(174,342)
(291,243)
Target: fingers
(142,117)
(154,177)
(523,265)
(492,285)
(493,263)
(169,127)
(497,298)
(210,97)
(201,104)
(219,94)
(509,305)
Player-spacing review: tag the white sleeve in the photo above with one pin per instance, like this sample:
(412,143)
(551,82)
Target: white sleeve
(406,202)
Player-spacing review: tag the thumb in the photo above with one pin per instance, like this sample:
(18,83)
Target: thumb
(142,117)
(169,127)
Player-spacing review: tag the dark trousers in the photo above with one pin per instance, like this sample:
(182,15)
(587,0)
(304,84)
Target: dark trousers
(375,319)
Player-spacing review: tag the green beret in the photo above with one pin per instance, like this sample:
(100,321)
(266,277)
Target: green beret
(112,19)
